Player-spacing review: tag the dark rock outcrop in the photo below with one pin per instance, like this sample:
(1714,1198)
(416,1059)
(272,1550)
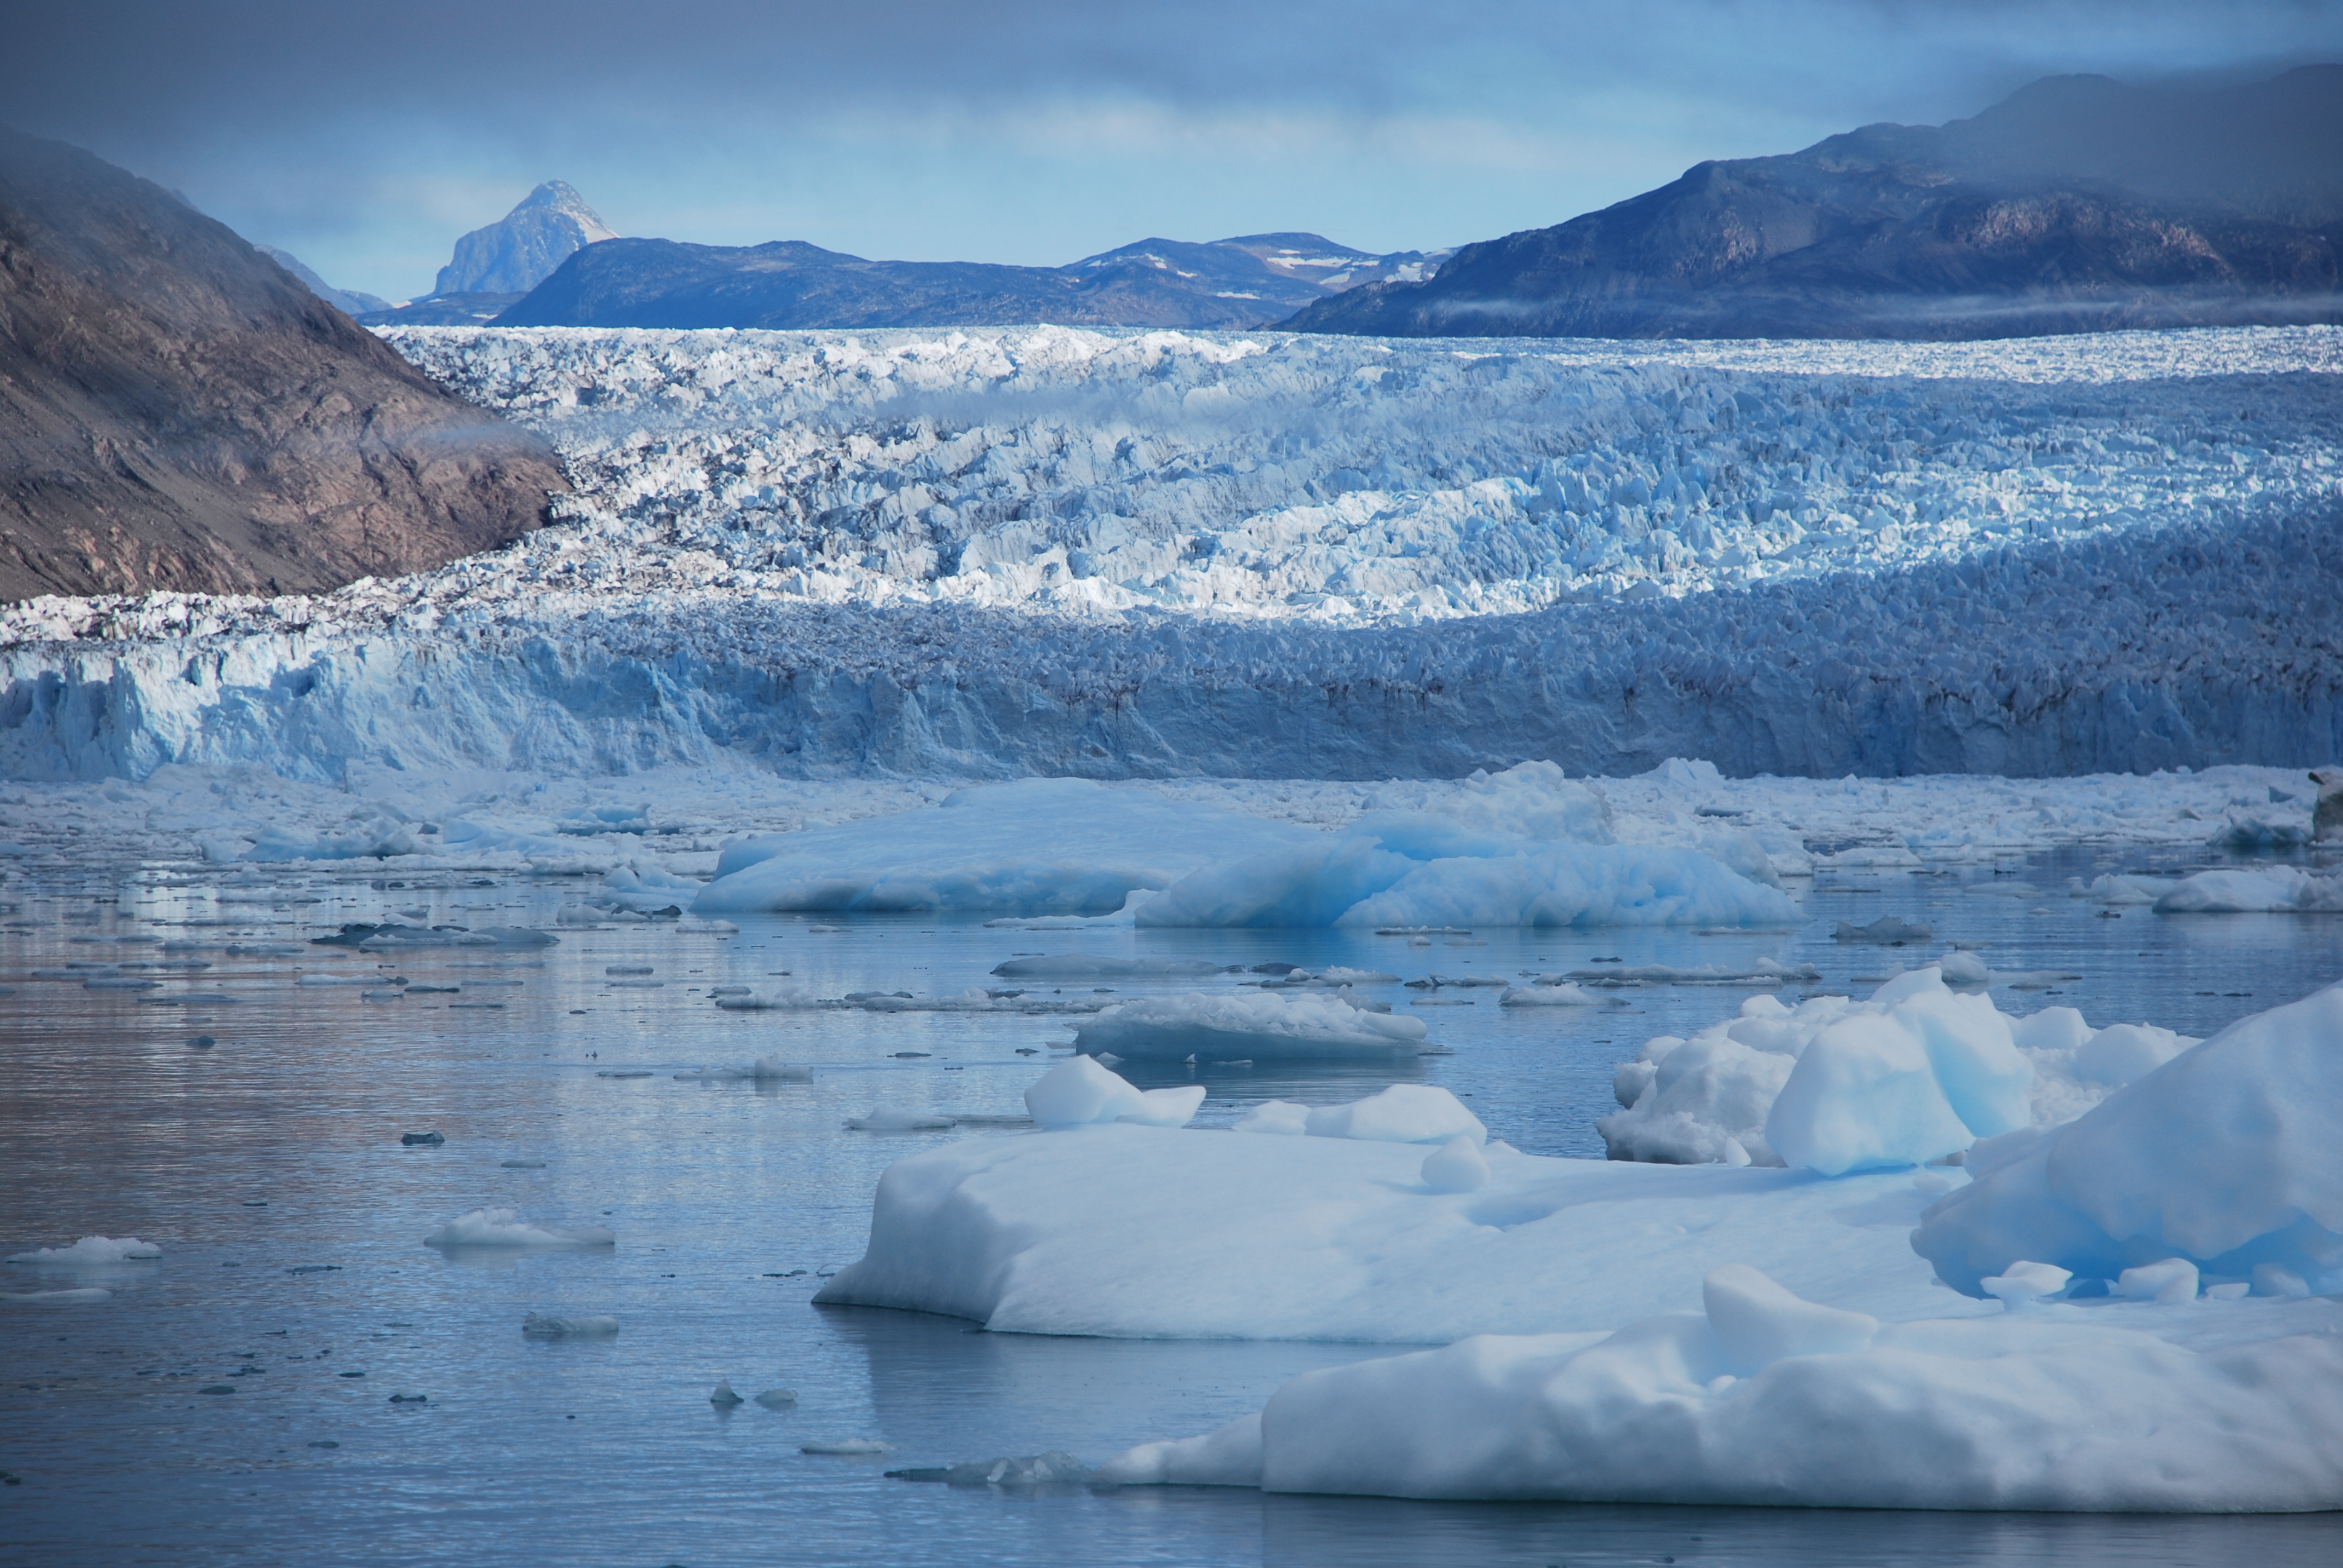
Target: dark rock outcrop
(177,411)
(788,284)
(2077,204)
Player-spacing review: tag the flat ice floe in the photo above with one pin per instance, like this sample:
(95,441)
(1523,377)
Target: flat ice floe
(89,1251)
(1524,847)
(505,1228)
(1249,1024)
(1763,1398)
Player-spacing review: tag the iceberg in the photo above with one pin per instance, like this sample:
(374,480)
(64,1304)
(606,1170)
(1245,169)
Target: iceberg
(1252,1023)
(505,1228)
(1035,846)
(1767,1399)
(2223,1156)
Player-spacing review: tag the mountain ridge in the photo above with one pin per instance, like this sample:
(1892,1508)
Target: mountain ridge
(179,411)
(2078,204)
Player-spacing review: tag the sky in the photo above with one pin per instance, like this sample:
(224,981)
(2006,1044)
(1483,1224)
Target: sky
(365,138)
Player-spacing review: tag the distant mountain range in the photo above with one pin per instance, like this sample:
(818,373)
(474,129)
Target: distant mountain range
(1246,281)
(522,249)
(2077,204)
(179,411)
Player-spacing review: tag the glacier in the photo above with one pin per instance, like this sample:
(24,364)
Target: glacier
(985,554)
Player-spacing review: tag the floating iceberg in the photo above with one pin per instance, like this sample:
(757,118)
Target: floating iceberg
(1036,847)
(1154,1234)
(1250,1024)
(1100,966)
(2224,1156)
(505,1228)
(1394,868)
(2272,890)
(1768,1399)
(91,1250)
(1402,1114)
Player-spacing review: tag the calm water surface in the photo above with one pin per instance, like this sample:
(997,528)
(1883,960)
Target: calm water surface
(270,1170)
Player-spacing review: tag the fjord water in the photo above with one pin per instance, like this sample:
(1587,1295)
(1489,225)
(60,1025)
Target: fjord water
(268,1166)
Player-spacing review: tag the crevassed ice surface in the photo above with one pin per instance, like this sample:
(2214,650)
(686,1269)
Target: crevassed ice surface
(1340,480)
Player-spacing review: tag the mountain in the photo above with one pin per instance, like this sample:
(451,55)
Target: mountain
(2079,204)
(1230,283)
(521,249)
(177,411)
(350,302)
(442,310)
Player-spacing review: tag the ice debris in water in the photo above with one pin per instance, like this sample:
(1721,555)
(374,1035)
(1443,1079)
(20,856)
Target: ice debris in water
(1254,1023)
(432,1139)
(764,1070)
(1079,1092)
(1022,1471)
(1565,994)
(1767,971)
(778,1398)
(722,1397)
(1100,966)
(569,1325)
(1886,930)
(1718,1407)
(2223,1157)
(92,1249)
(893,1121)
(850,1446)
(58,1298)
(505,1228)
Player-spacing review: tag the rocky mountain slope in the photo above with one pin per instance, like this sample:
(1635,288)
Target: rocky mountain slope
(2077,204)
(177,411)
(1232,282)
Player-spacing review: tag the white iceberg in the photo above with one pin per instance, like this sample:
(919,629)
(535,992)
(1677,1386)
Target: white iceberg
(1248,1023)
(1035,846)
(2224,1156)
(92,1249)
(1768,1399)
(1080,1092)
(505,1228)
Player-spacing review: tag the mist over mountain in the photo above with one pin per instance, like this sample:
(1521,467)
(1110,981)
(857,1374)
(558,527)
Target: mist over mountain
(1243,282)
(179,410)
(349,301)
(2078,204)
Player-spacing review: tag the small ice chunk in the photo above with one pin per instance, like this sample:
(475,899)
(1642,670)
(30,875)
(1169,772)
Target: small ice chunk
(1026,1471)
(92,1249)
(560,1325)
(2227,1291)
(778,1398)
(722,1397)
(1080,1091)
(57,1298)
(1566,994)
(432,1139)
(1887,931)
(1759,1322)
(1283,1116)
(849,1446)
(2277,1279)
(520,1164)
(1963,969)
(2025,1281)
(892,1120)
(1403,1113)
(1099,965)
(1456,1166)
(2173,1279)
(503,1228)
